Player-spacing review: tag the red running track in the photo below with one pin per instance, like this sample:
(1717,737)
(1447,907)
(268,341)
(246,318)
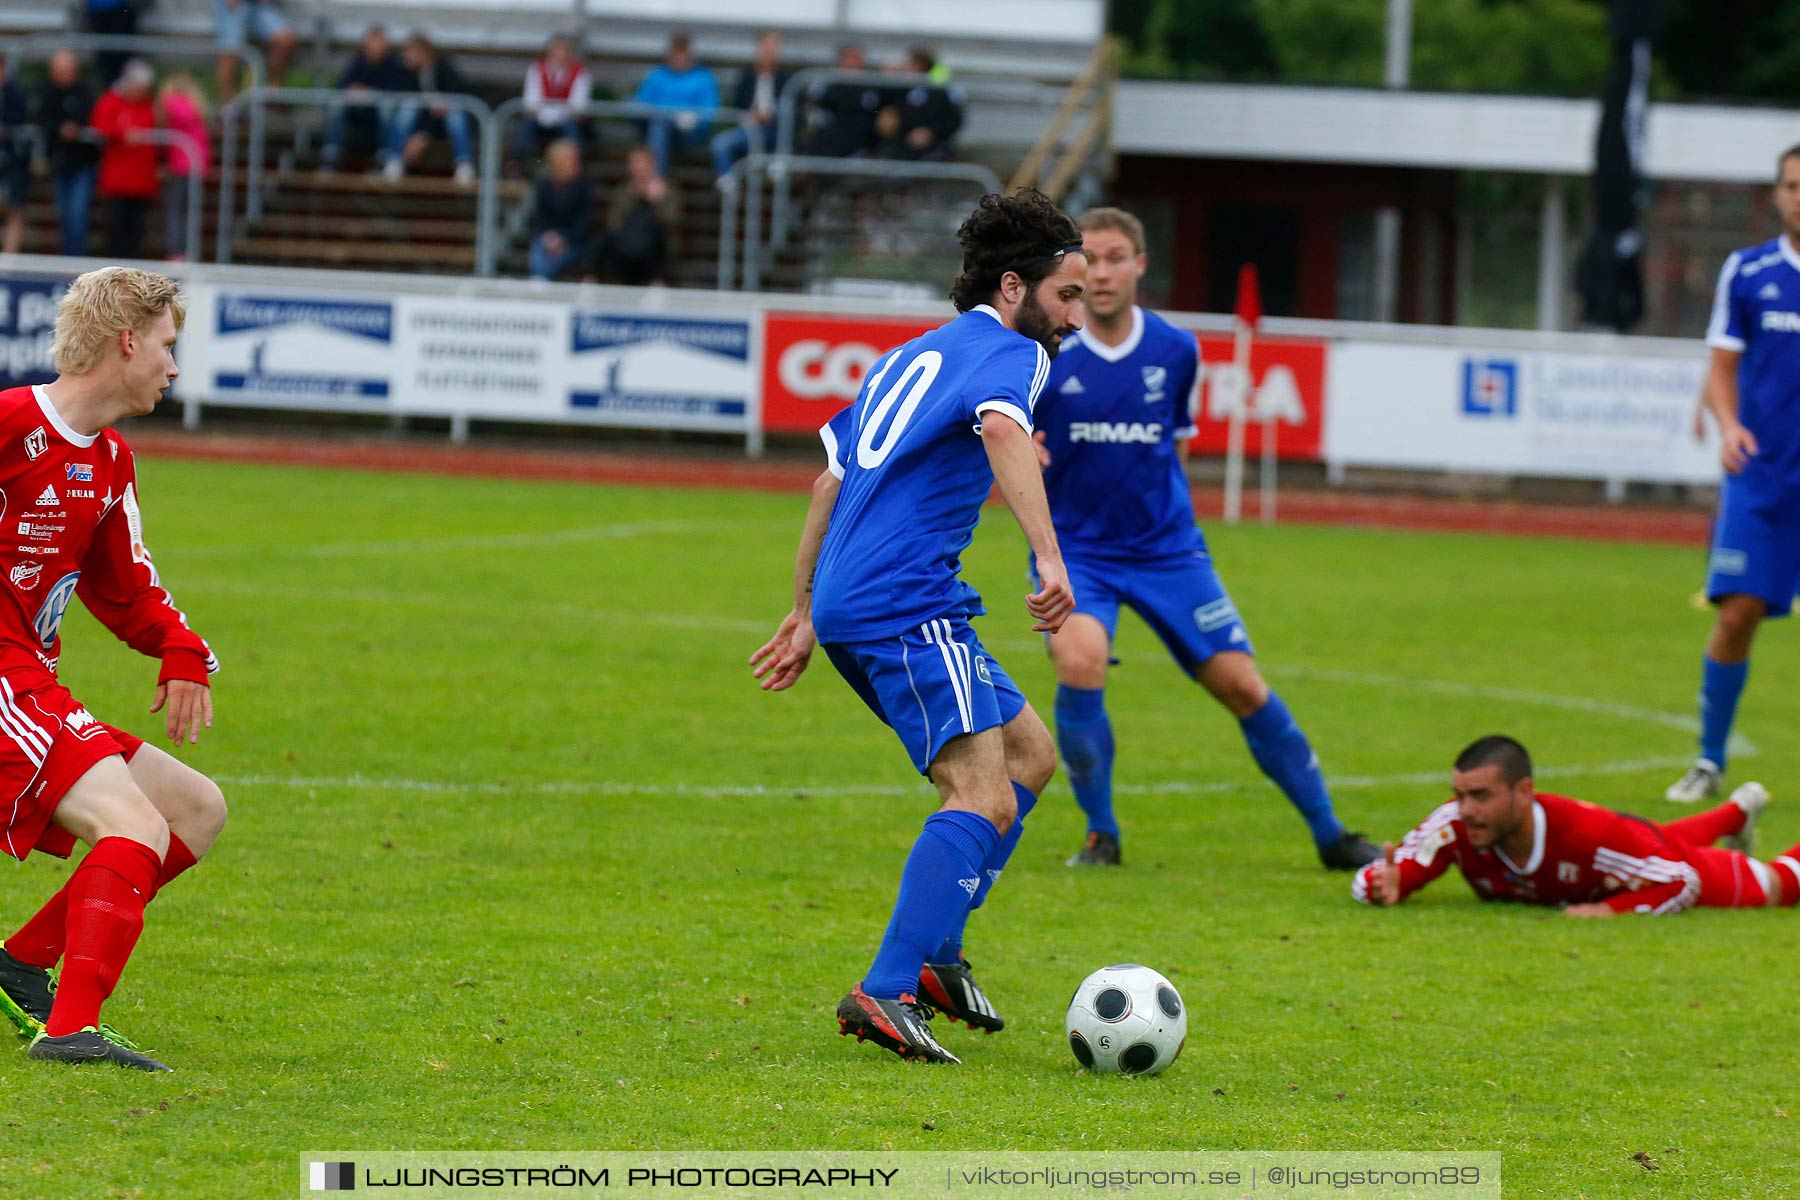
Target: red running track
(1684,527)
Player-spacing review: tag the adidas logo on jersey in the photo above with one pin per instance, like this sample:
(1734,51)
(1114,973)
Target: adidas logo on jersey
(1770,291)
(47,498)
(1071,387)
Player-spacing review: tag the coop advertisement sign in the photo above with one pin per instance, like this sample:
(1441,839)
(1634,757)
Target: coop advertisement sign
(813,364)
(1465,408)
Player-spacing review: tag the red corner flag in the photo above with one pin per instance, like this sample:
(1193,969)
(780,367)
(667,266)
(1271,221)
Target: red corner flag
(1249,296)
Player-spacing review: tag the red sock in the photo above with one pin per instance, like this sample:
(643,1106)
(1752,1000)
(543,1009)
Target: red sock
(39,942)
(1787,868)
(1703,829)
(107,894)
(178,859)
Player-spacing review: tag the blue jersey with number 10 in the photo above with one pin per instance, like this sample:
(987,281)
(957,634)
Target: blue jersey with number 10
(915,475)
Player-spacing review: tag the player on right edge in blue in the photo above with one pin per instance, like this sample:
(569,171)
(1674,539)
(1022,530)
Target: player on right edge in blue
(1112,429)
(1753,389)
(937,425)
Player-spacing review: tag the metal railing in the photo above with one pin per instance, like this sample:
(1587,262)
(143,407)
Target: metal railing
(196,183)
(743,187)
(161,47)
(329,98)
(510,111)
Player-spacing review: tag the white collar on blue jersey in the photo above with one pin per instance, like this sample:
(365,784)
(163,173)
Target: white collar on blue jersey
(62,427)
(1114,354)
(1791,255)
(990,310)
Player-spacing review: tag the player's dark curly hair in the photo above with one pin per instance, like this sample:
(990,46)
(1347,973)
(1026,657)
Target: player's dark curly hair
(1024,232)
(1496,749)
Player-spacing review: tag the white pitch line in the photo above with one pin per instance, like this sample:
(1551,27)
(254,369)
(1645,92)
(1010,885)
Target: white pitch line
(472,541)
(1171,787)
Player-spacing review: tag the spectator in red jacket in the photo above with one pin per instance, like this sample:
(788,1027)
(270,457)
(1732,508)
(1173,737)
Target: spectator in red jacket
(128,162)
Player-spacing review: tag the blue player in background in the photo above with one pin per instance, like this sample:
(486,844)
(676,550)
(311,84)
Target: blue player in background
(1113,428)
(1753,389)
(937,424)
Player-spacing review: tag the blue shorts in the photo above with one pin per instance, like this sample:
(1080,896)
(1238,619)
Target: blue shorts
(1755,550)
(929,684)
(1179,597)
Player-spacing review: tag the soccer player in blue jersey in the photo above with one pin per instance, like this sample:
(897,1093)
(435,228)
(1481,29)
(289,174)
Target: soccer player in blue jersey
(1753,389)
(937,424)
(1113,428)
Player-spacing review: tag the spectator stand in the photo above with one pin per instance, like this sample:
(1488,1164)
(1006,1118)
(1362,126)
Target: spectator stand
(472,251)
(511,111)
(159,50)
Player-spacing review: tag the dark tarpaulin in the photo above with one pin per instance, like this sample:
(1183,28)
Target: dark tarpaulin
(1611,274)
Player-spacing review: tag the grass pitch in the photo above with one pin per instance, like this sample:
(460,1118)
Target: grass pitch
(521,859)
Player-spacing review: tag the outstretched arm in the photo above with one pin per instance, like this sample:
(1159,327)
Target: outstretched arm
(779,662)
(1014,457)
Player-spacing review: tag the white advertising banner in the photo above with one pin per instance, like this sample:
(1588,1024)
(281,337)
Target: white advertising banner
(496,359)
(287,348)
(664,371)
(478,357)
(1549,413)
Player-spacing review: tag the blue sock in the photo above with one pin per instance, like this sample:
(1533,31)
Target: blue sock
(990,871)
(1287,758)
(1720,686)
(941,876)
(1085,737)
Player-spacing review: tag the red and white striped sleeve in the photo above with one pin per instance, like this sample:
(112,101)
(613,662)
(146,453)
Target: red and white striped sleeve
(1422,856)
(1654,885)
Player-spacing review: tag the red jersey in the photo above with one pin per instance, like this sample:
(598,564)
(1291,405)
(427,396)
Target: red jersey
(70,526)
(127,168)
(1581,853)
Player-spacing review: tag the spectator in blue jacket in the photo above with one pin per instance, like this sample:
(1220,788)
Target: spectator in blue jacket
(690,90)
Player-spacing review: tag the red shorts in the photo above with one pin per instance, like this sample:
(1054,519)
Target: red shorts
(47,742)
(1728,878)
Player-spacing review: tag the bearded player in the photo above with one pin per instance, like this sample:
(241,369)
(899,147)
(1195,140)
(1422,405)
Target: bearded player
(1112,430)
(939,423)
(1512,842)
(70,526)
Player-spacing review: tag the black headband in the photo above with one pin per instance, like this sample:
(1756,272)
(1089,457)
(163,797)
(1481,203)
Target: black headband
(1018,267)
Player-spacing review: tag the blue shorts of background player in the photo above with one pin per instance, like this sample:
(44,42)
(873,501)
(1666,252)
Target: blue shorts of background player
(1183,601)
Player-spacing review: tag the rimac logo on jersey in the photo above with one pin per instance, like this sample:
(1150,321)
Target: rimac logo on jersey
(1143,432)
(56,603)
(1774,321)
(36,442)
(79,472)
(1490,387)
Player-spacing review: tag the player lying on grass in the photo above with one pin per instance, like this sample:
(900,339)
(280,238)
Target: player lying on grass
(73,528)
(938,423)
(1512,842)
(1113,428)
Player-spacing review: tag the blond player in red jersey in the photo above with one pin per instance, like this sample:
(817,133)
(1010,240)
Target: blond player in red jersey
(1512,842)
(70,526)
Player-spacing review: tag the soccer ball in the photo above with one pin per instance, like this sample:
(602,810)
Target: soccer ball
(1126,1020)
